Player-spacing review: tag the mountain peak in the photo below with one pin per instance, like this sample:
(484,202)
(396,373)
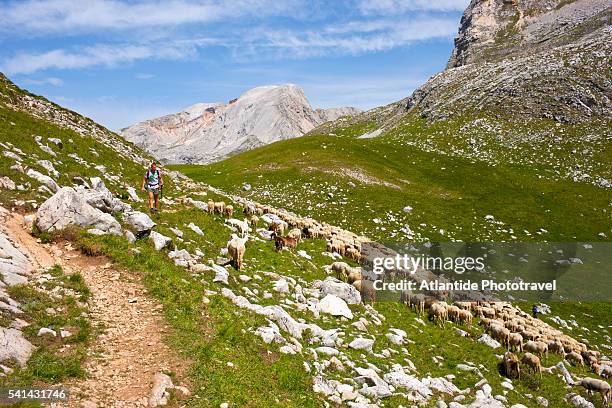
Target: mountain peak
(206,132)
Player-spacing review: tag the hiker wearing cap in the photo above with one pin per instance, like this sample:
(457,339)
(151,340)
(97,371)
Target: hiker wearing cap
(153,183)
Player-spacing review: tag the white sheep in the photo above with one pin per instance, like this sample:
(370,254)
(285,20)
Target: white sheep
(236,249)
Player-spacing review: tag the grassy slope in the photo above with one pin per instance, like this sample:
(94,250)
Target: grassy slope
(210,335)
(411,166)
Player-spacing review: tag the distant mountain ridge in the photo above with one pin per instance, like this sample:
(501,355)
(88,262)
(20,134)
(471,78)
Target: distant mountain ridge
(208,132)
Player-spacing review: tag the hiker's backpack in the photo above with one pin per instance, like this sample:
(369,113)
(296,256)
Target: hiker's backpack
(148,175)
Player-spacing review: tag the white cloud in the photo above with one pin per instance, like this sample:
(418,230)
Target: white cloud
(68,16)
(364,92)
(352,38)
(99,55)
(395,7)
(44,81)
(144,76)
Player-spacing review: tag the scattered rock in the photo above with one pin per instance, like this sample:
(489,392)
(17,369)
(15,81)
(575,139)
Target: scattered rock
(159,241)
(14,346)
(341,289)
(159,392)
(335,306)
(139,222)
(68,207)
(361,343)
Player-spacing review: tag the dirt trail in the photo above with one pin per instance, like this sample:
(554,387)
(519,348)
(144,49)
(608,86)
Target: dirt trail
(123,359)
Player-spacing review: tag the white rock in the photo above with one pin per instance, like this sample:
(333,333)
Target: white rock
(416,390)
(177,232)
(7,184)
(47,165)
(221,274)
(159,241)
(130,236)
(328,351)
(362,343)
(44,180)
(287,350)
(195,228)
(68,207)
(139,222)
(341,289)
(304,254)
(281,286)
(14,346)
(489,341)
(133,196)
(14,265)
(159,393)
(44,330)
(578,401)
(335,306)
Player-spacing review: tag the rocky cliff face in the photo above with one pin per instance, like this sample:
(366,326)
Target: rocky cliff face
(526,59)
(491,30)
(205,133)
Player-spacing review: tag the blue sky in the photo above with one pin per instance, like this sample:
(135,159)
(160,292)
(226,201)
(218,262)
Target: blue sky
(120,62)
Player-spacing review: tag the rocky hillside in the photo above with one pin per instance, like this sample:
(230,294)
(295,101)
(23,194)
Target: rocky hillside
(128,310)
(521,60)
(205,132)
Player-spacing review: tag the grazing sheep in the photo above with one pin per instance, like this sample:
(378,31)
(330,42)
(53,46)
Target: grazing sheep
(530,335)
(219,207)
(589,359)
(511,365)
(296,234)
(354,275)
(574,357)
(414,302)
(537,347)
(594,384)
(464,305)
(366,289)
(556,347)
(284,242)
(602,370)
(211,206)
(249,210)
(534,362)
(254,220)
(438,313)
(486,312)
(500,333)
(453,312)
(465,316)
(277,227)
(512,325)
(229,211)
(516,342)
(341,269)
(307,232)
(235,249)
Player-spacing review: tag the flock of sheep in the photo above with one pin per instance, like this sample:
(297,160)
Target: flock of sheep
(513,328)
(518,332)
(339,241)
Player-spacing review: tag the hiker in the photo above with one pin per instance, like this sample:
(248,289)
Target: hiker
(534,311)
(153,183)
